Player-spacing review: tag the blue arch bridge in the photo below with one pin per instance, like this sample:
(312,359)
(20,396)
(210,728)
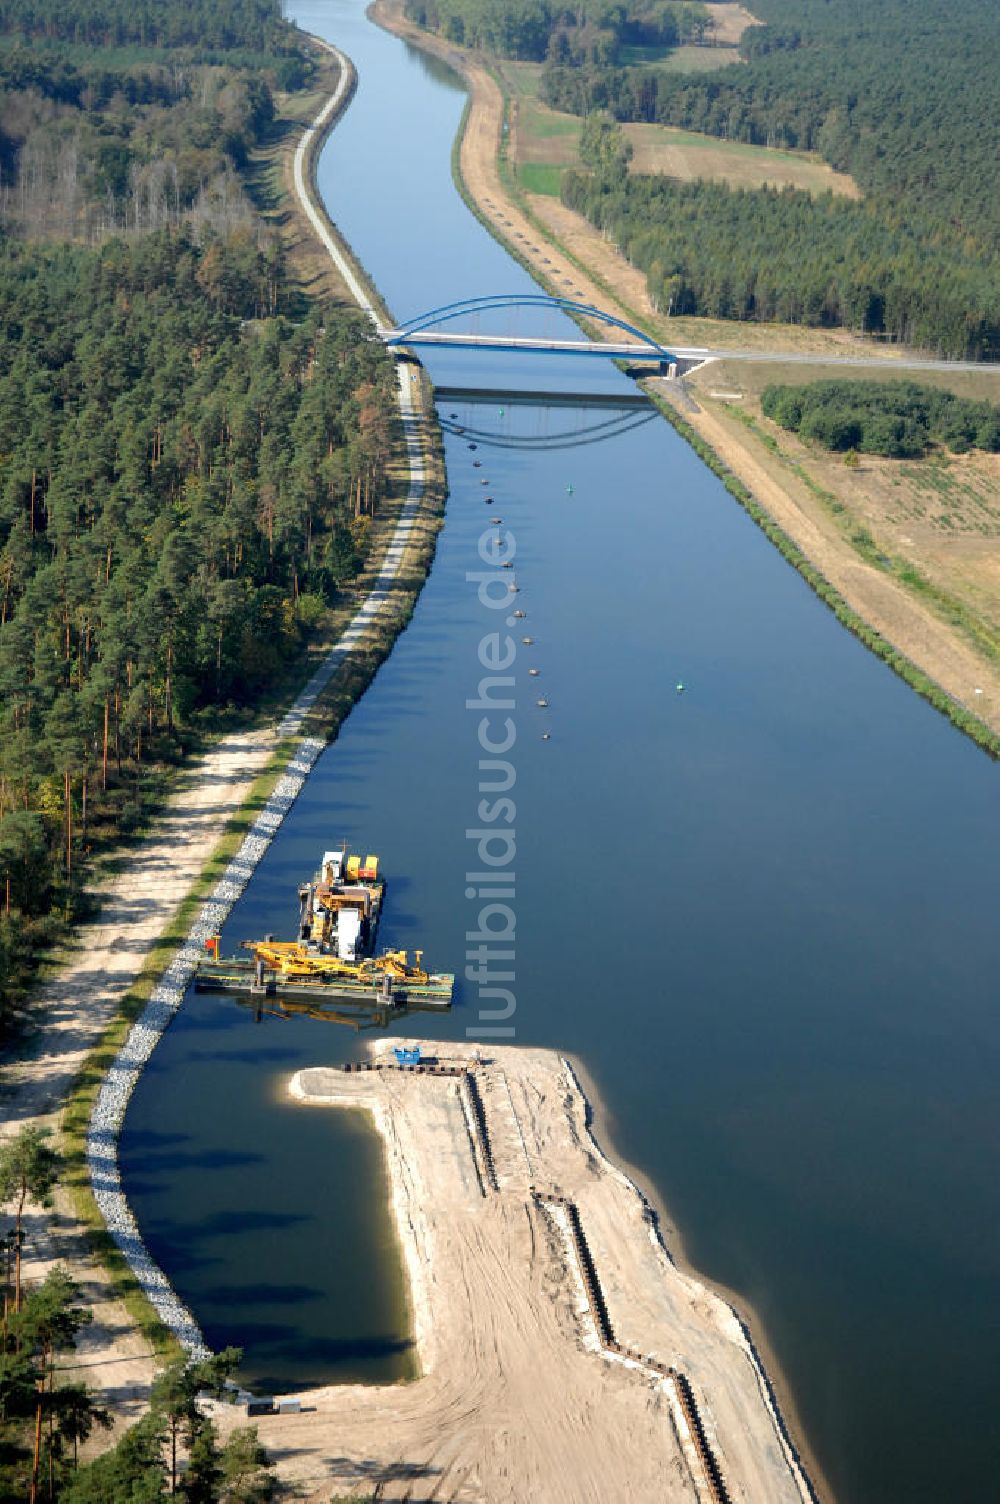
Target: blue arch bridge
(427,330)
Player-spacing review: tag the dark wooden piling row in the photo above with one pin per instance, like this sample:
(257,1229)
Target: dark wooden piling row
(709,1461)
(602,1321)
(592,1285)
(481,1131)
(424,1069)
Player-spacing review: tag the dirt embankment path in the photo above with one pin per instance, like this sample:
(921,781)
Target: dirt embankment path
(618,288)
(521,1397)
(76,1007)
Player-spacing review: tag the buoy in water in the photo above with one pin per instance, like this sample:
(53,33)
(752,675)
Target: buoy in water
(501,412)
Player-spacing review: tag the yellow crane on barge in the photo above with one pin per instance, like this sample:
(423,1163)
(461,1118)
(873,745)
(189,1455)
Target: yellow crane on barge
(296,962)
(333,959)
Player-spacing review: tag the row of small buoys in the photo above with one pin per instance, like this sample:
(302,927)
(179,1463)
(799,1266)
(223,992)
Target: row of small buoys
(513,587)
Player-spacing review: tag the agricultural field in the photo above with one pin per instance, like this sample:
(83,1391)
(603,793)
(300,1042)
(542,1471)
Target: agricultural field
(699,59)
(545,141)
(687,155)
(934,523)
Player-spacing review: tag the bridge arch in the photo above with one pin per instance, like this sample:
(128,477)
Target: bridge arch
(449,311)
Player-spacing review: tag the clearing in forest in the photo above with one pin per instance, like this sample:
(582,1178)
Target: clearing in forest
(547,141)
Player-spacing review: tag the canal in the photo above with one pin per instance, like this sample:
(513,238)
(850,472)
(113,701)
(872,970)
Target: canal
(762,912)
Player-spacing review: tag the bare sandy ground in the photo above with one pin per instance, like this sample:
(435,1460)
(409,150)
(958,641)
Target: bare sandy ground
(517,1398)
(730,21)
(905,621)
(76,1007)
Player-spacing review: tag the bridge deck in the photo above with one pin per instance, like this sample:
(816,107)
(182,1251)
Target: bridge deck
(529,345)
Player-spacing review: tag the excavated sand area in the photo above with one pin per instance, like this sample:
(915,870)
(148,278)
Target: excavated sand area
(531,1388)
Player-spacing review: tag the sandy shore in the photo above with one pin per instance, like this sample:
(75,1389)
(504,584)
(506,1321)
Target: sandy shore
(523,1395)
(76,1007)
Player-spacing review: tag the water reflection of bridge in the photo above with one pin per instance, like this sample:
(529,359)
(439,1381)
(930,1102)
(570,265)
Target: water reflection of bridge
(581,417)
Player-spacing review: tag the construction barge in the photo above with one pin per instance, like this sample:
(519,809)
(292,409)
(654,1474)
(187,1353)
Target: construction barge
(332,960)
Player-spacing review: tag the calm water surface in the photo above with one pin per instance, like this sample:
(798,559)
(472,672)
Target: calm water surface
(763,912)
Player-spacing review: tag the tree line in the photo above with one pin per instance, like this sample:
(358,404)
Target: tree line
(256,25)
(90,149)
(44,1420)
(783,254)
(899,419)
(190,452)
(589,32)
(187,478)
(902,97)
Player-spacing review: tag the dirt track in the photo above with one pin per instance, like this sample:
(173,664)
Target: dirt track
(78,1005)
(517,1400)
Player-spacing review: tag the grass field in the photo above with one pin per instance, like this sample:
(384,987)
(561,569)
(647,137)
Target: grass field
(540,177)
(548,139)
(687,155)
(698,59)
(522,78)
